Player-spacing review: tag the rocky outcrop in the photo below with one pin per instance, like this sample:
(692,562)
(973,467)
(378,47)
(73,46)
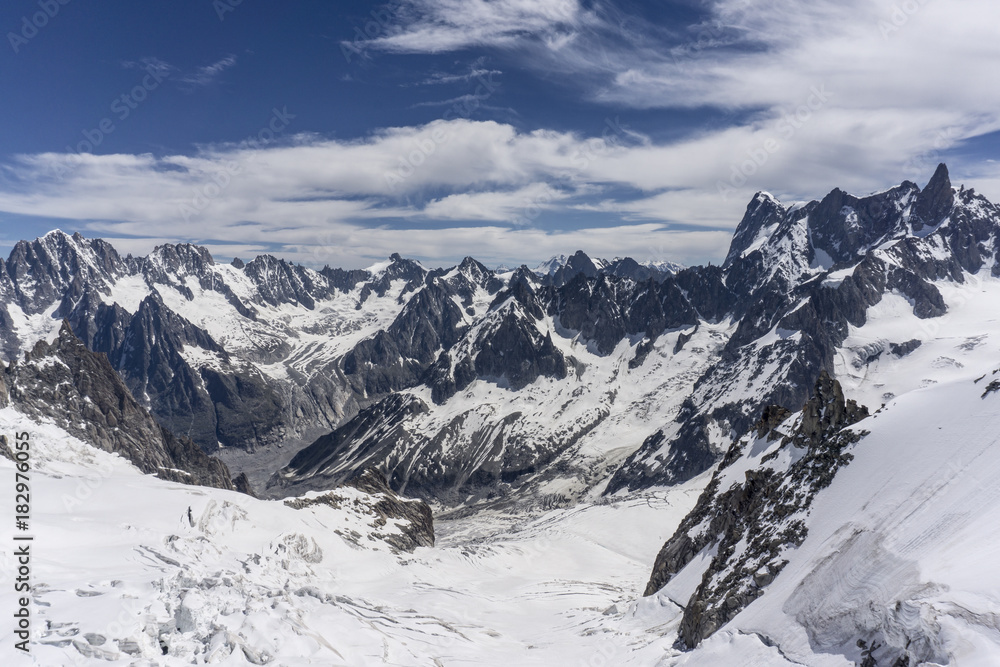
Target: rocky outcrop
(242,484)
(747,522)
(364,441)
(81,392)
(412,520)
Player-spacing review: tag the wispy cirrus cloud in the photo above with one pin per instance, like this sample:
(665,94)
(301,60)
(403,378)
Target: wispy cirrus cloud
(200,77)
(208,74)
(899,76)
(434,26)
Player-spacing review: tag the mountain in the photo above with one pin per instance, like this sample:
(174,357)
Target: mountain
(791,453)
(691,359)
(594,377)
(806,278)
(80,392)
(241,356)
(561,269)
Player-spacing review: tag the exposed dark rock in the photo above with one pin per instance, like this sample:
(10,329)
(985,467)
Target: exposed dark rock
(992,387)
(399,356)
(81,392)
(516,351)
(420,531)
(682,340)
(935,201)
(642,351)
(362,442)
(903,349)
(242,484)
(765,511)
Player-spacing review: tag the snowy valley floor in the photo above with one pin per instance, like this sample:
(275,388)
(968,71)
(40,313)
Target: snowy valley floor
(116,557)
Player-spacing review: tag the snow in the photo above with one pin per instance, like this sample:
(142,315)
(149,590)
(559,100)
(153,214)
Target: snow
(315,338)
(115,554)
(821,260)
(29,329)
(128,292)
(908,528)
(961,343)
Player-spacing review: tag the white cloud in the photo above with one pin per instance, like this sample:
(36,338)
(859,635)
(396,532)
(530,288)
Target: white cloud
(412,189)
(520,206)
(898,77)
(432,26)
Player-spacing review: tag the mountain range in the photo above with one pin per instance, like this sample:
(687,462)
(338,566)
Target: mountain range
(580,383)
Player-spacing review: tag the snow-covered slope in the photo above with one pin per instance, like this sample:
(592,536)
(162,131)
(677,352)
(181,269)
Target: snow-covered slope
(901,547)
(128,569)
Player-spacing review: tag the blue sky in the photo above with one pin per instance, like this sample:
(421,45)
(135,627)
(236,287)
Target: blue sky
(511,130)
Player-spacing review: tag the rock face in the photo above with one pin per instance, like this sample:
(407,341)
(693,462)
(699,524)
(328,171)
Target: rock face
(365,441)
(80,391)
(746,521)
(800,278)
(412,519)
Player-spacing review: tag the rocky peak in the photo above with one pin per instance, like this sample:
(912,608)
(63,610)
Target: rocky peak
(404,269)
(40,271)
(523,293)
(279,282)
(471,275)
(763,211)
(578,264)
(179,259)
(935,201)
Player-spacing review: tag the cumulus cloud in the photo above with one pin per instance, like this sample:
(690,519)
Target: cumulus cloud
(445,185)
(898,80)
